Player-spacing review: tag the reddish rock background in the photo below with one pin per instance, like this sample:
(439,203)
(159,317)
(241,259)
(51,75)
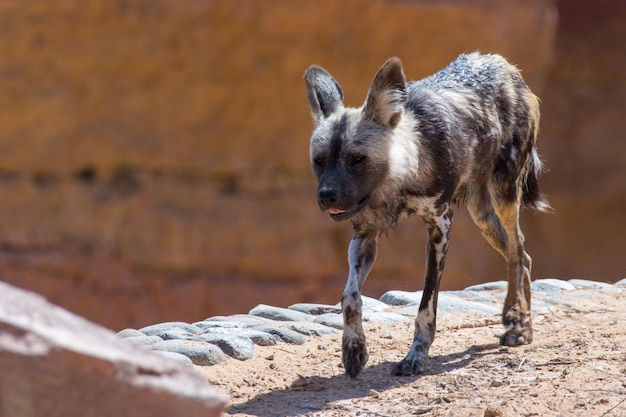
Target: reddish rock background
(154,155)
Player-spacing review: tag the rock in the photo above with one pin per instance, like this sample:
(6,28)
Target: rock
(550,285)
(453,304)
(287,336)
(489,286)
(383,317)
(493,411)
(143,340)
(201,353)
(53,360)
(129,333)
(373,305)
(311,329)
(170,325)
(315,309)
(175,333)
(178,357)
(621,283)
(450,304)
(401,298)
(584,283)
(245,319)
(256,336)
(331,320)
(237,347)
(225,324)
(280,314)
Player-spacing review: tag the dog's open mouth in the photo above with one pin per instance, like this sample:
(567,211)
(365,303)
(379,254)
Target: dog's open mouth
(339,214)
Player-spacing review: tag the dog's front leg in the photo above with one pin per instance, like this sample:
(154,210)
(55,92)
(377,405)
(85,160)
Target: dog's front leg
(425,322)
(361,255)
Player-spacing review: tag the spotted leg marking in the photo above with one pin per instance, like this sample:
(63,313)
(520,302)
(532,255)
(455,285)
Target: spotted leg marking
(425,322)
(361,255)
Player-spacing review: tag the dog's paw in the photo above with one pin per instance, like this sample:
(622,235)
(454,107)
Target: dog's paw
(354,357)
(519,328)
(517,336)
(413,364)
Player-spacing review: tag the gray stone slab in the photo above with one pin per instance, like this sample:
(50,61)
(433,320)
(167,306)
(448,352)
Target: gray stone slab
(489,286)
(331,320)
(226,324)
(143,340)
(311,329)
(129,333)
(245,319)
(584,283)
(551,284)
(315,309)
(156,328)
(401,298)
(237,347)
(182,359)
(200,353)
(451,304)
(373,305)
(383,317)
(258,337)
(288,336)
(175,333)
(280,314)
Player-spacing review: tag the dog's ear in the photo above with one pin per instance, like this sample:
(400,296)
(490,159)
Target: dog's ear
(387,96)
(324,93)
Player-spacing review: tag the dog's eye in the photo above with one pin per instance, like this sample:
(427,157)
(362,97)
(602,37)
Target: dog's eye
(318,160)
(357,159)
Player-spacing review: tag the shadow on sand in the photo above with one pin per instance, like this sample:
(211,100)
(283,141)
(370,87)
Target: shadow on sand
(320,391)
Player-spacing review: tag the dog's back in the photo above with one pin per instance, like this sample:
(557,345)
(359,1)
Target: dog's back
(477,122)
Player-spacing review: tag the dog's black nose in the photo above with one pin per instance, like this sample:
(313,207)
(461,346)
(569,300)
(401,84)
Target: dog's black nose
(327,197)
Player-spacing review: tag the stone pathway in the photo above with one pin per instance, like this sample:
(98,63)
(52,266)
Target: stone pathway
(210,341)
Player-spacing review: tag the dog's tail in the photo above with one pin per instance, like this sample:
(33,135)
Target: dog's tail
(532,197)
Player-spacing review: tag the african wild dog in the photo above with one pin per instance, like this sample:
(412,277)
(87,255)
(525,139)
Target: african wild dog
(466,133)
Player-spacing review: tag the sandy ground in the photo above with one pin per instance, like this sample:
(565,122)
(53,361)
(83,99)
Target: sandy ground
(575,367)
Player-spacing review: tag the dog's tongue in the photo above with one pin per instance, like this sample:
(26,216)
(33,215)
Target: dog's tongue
(335,211)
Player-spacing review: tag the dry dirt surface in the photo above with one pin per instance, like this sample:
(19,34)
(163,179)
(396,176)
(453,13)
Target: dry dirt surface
(575,367)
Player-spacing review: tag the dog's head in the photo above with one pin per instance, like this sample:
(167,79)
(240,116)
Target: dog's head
(350,147)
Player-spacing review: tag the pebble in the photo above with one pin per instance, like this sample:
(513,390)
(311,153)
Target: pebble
(156,328)
(551,284)
(178,357)
(200,353)
(237,347)
(210,341)
(126,333)
(401,298)
(331,320)
(175,333)
(315,309)
(257,337)
(143,340)
(489,286)
(584,283)
(312,329)
(288,336)
(279,313)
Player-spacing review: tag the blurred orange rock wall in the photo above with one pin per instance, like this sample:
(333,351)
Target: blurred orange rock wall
(154,155)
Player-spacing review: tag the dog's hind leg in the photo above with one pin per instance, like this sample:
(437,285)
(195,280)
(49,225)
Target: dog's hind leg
(516,313)
(361,256)
(500,227)
(425,322)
